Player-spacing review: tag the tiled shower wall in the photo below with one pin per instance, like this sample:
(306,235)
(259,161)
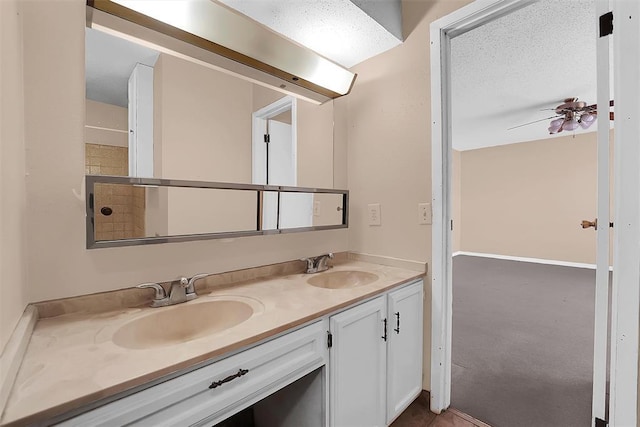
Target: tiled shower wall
(127,202)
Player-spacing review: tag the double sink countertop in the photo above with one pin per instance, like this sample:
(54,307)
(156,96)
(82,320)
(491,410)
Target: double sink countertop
(78,358)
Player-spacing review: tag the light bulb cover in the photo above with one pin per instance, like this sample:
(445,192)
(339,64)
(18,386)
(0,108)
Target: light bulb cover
(586,125)
(557,123)
(570,125)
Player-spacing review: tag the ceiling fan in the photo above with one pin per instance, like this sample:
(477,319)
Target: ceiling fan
(570,115)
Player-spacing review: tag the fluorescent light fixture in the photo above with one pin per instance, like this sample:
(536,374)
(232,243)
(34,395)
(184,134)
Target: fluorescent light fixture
(226,33)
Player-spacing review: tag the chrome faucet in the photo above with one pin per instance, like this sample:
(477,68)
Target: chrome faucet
(318,263)
(181,290)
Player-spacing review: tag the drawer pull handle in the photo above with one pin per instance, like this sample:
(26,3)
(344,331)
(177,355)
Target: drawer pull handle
(384,337)
(397,322)
(240,373)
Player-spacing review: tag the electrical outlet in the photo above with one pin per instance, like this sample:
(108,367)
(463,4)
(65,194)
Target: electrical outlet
(374,214)
(424,213)
(316,208)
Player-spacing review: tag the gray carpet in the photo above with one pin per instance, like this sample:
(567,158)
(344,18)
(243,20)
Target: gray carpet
(522,342)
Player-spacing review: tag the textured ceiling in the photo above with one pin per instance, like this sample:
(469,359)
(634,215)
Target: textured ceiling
(336,29)
(505,72)
(109,61)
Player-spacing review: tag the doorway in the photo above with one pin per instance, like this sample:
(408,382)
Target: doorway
(523,282)
(625,283)
(274,162)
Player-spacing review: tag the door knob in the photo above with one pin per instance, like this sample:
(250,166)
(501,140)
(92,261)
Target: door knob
(587,224)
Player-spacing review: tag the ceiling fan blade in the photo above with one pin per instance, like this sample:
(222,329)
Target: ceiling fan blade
(530,123)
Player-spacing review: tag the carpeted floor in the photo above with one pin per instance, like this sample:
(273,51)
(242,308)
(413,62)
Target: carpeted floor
(522,342)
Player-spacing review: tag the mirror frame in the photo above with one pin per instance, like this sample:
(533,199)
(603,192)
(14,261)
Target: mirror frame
(92,180)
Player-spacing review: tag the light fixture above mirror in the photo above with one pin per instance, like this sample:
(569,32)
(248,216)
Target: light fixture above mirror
(216,35)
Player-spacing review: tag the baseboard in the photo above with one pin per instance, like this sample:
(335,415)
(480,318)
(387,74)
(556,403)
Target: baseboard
(389,261)
(13,353)
(532,260)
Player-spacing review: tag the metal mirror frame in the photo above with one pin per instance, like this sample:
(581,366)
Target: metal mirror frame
(92,180)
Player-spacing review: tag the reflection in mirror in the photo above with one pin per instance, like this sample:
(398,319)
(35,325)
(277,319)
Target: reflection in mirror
(124,211)
(299,210)
(168,117)
(269,203)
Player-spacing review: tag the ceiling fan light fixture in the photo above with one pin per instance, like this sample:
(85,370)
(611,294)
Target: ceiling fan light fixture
(553,130)
(586,123)
(570,125)
(557,123)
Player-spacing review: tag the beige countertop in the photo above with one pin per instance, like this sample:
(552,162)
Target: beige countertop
(72,360)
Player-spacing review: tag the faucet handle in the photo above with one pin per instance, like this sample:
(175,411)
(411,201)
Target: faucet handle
(160,293)
(310,261)
(191,283)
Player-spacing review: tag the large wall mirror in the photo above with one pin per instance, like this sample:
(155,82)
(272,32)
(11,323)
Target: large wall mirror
(126,211)
(153,115)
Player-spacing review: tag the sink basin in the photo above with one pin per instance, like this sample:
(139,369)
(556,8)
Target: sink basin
(180,323)
(342,279)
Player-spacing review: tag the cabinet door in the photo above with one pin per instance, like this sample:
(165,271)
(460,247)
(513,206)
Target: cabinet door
(358,364)
(404,363)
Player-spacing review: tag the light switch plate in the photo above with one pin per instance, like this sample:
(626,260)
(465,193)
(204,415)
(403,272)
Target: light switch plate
(374,214)
(424,213)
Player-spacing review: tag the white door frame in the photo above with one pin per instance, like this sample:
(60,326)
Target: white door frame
(258,151)
(442,31)
(603,246)
(626,283)
(625,308)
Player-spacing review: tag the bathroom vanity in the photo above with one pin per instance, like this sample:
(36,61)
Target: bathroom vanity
(342,347)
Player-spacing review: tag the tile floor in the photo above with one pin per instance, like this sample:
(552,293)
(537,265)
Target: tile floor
(418,415)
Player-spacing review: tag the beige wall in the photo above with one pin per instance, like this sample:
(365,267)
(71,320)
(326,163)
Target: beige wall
(456,193)
(59,264)
(204,210)
(109,117)
(206,122)
(389,151)
(315,145)
(528,199)
(13,273)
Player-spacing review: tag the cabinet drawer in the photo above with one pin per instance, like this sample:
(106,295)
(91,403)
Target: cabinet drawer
(188,400)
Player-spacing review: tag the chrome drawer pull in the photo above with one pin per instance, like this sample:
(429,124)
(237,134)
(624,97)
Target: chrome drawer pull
(240,373)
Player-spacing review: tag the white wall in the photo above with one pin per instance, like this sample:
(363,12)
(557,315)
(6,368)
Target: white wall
(13,273)
(59,264)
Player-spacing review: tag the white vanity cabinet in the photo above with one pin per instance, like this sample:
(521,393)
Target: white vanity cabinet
(357,365)
(404,348)
(214,392)
(376,358)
